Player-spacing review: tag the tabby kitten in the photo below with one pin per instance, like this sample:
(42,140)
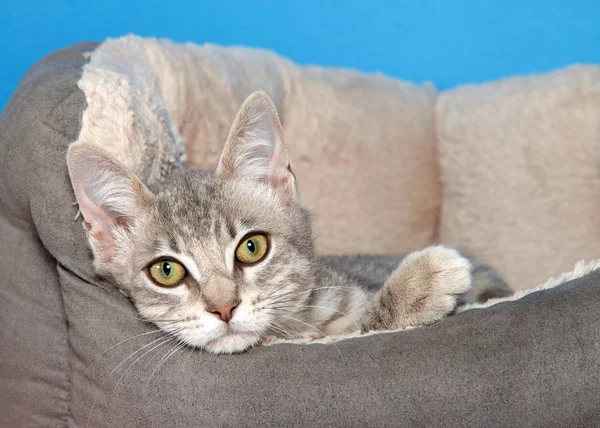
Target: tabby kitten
(223,259)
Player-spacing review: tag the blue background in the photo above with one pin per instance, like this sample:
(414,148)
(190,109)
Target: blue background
(447,42)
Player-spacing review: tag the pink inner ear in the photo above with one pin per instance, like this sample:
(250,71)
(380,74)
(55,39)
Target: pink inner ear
(282,180)
(275,180)
(278,158)
(102,231)
(100,221)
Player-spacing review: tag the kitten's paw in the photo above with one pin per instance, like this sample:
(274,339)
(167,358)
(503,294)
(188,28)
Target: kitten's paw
(423,289)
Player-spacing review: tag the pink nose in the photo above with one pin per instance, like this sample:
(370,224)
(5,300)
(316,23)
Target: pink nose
(224,312)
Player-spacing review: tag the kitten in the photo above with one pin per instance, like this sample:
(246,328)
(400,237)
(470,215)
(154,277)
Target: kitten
(223,259)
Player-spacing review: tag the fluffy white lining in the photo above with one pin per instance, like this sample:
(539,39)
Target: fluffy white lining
(125,112)
(581,268)
(349,133)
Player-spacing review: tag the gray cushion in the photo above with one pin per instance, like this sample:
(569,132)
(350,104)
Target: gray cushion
(533,362)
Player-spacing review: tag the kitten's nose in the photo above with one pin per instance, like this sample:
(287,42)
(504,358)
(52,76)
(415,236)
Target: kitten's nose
(224,311)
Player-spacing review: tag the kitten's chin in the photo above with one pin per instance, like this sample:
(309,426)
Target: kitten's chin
(232,343)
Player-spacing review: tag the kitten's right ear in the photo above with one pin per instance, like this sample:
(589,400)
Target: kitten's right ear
(255,149)
(107,193)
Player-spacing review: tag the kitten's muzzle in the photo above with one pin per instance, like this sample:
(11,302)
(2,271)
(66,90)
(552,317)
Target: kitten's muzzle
(224,312)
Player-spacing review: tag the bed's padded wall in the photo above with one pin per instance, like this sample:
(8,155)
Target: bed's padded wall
(510,365)
(521,171)
(42,117)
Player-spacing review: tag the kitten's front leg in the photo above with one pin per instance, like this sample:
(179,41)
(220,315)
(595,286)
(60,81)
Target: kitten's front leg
(423,289)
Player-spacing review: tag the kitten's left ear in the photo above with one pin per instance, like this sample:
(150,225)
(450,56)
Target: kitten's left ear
(109,196)
(255,149)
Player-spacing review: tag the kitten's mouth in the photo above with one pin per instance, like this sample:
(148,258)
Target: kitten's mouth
(225,339)
(232,342)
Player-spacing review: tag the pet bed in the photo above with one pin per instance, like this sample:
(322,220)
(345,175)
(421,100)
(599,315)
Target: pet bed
(508,170)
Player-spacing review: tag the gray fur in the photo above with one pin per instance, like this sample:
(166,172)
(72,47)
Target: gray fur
(371,271)
(199,217)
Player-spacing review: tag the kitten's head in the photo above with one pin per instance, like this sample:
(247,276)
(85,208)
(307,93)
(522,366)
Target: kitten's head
(218,259)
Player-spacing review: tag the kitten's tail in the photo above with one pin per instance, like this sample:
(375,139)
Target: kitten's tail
(486,284)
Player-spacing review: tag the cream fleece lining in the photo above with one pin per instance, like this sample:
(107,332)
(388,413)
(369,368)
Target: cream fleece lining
(364,147)
(157,105)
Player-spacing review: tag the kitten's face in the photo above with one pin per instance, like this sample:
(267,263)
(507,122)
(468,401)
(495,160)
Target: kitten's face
(218,260)
(200,221)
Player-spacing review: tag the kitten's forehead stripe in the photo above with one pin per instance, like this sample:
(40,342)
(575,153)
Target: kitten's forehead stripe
(173,244)
(230,228)
(215,226)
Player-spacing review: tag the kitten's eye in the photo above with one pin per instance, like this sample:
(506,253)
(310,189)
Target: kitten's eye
(167,273)
(252,249)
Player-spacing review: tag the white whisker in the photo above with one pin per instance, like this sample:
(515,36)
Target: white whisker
(173,350)
(320,307)
(286,332)
(131,338)
(312,326)
(139,350)
(192,350)
(167,340)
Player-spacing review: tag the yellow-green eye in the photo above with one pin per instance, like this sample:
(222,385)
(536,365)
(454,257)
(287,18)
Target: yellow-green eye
(167,273)
(252,249)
